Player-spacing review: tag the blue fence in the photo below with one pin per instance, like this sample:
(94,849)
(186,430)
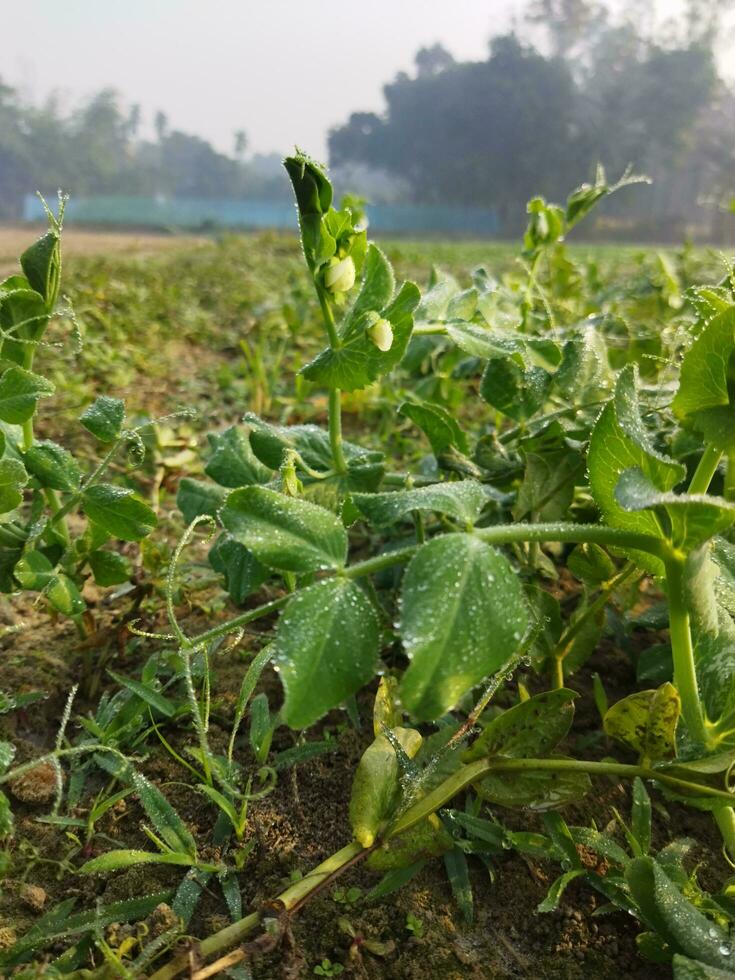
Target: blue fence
(196,213)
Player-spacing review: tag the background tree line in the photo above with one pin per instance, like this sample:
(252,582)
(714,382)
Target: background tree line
(536,118)
(569,87)
(97,148)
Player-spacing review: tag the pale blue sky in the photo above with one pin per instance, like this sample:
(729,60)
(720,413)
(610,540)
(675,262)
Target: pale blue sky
(283,70)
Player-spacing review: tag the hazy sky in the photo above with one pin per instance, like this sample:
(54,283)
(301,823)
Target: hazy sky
(282,70)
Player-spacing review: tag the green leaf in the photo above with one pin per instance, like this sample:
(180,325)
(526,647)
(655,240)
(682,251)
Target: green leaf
(590,564)
(514,390)
(104,418)
(686,969)
(530,729)
(233,462)
(283,532)
(20,391)
(548,485)
(195,497)
(641,816)
(463,500)
(109,568)
(439,426)
(620,442)
(375,786)
(546,225)
(358,361)
(243,573)
(118,511)
(310,183)
(376,291)
(6,816)
(59,923)
(674,918)
(538,790)
(166,821)
(114,860)
(485,344)
(705,395)
(35,572)
(7,754)
(63,595)
(646,722)
(270,442)
(687,520)
(252,675)
(222,803)
(424,840)
(146,693)
(435,301)
(326,648)
(41,264)
(463,614)
(23,315)
(53,466)
(557,889)
(13,478)
(393,881)
(261,727)
(458,874)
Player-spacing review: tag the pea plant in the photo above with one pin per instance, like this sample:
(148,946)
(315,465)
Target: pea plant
(592,452)
(61,520)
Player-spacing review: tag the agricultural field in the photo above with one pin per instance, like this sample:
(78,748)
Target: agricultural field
(366,611)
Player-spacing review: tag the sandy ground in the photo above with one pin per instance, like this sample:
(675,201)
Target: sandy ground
(14,239)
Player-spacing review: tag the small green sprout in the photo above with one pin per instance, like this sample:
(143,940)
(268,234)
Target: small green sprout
(347,896)
(328,969)
(415,925)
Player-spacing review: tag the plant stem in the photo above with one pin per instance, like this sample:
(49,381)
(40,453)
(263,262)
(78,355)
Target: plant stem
(498,534)
(685,675)
(335,430)
(242,620)
(28,354)
(295,896)
(196,713)
(335,405)
(328,317)
(706,469)
(572,534)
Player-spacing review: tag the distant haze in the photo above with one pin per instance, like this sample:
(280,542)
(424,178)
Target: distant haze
(284,71)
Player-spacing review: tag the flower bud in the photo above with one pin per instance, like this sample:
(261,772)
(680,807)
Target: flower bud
(339,276)
(381,334)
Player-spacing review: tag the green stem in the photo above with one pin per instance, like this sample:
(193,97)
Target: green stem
(28,354)
(685,674)
(291,897)
(335,405)
(242,620)
(328,317)
(297,894)
(705,470)
(335,430)
(499,534)
(573,534)
(196,713)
